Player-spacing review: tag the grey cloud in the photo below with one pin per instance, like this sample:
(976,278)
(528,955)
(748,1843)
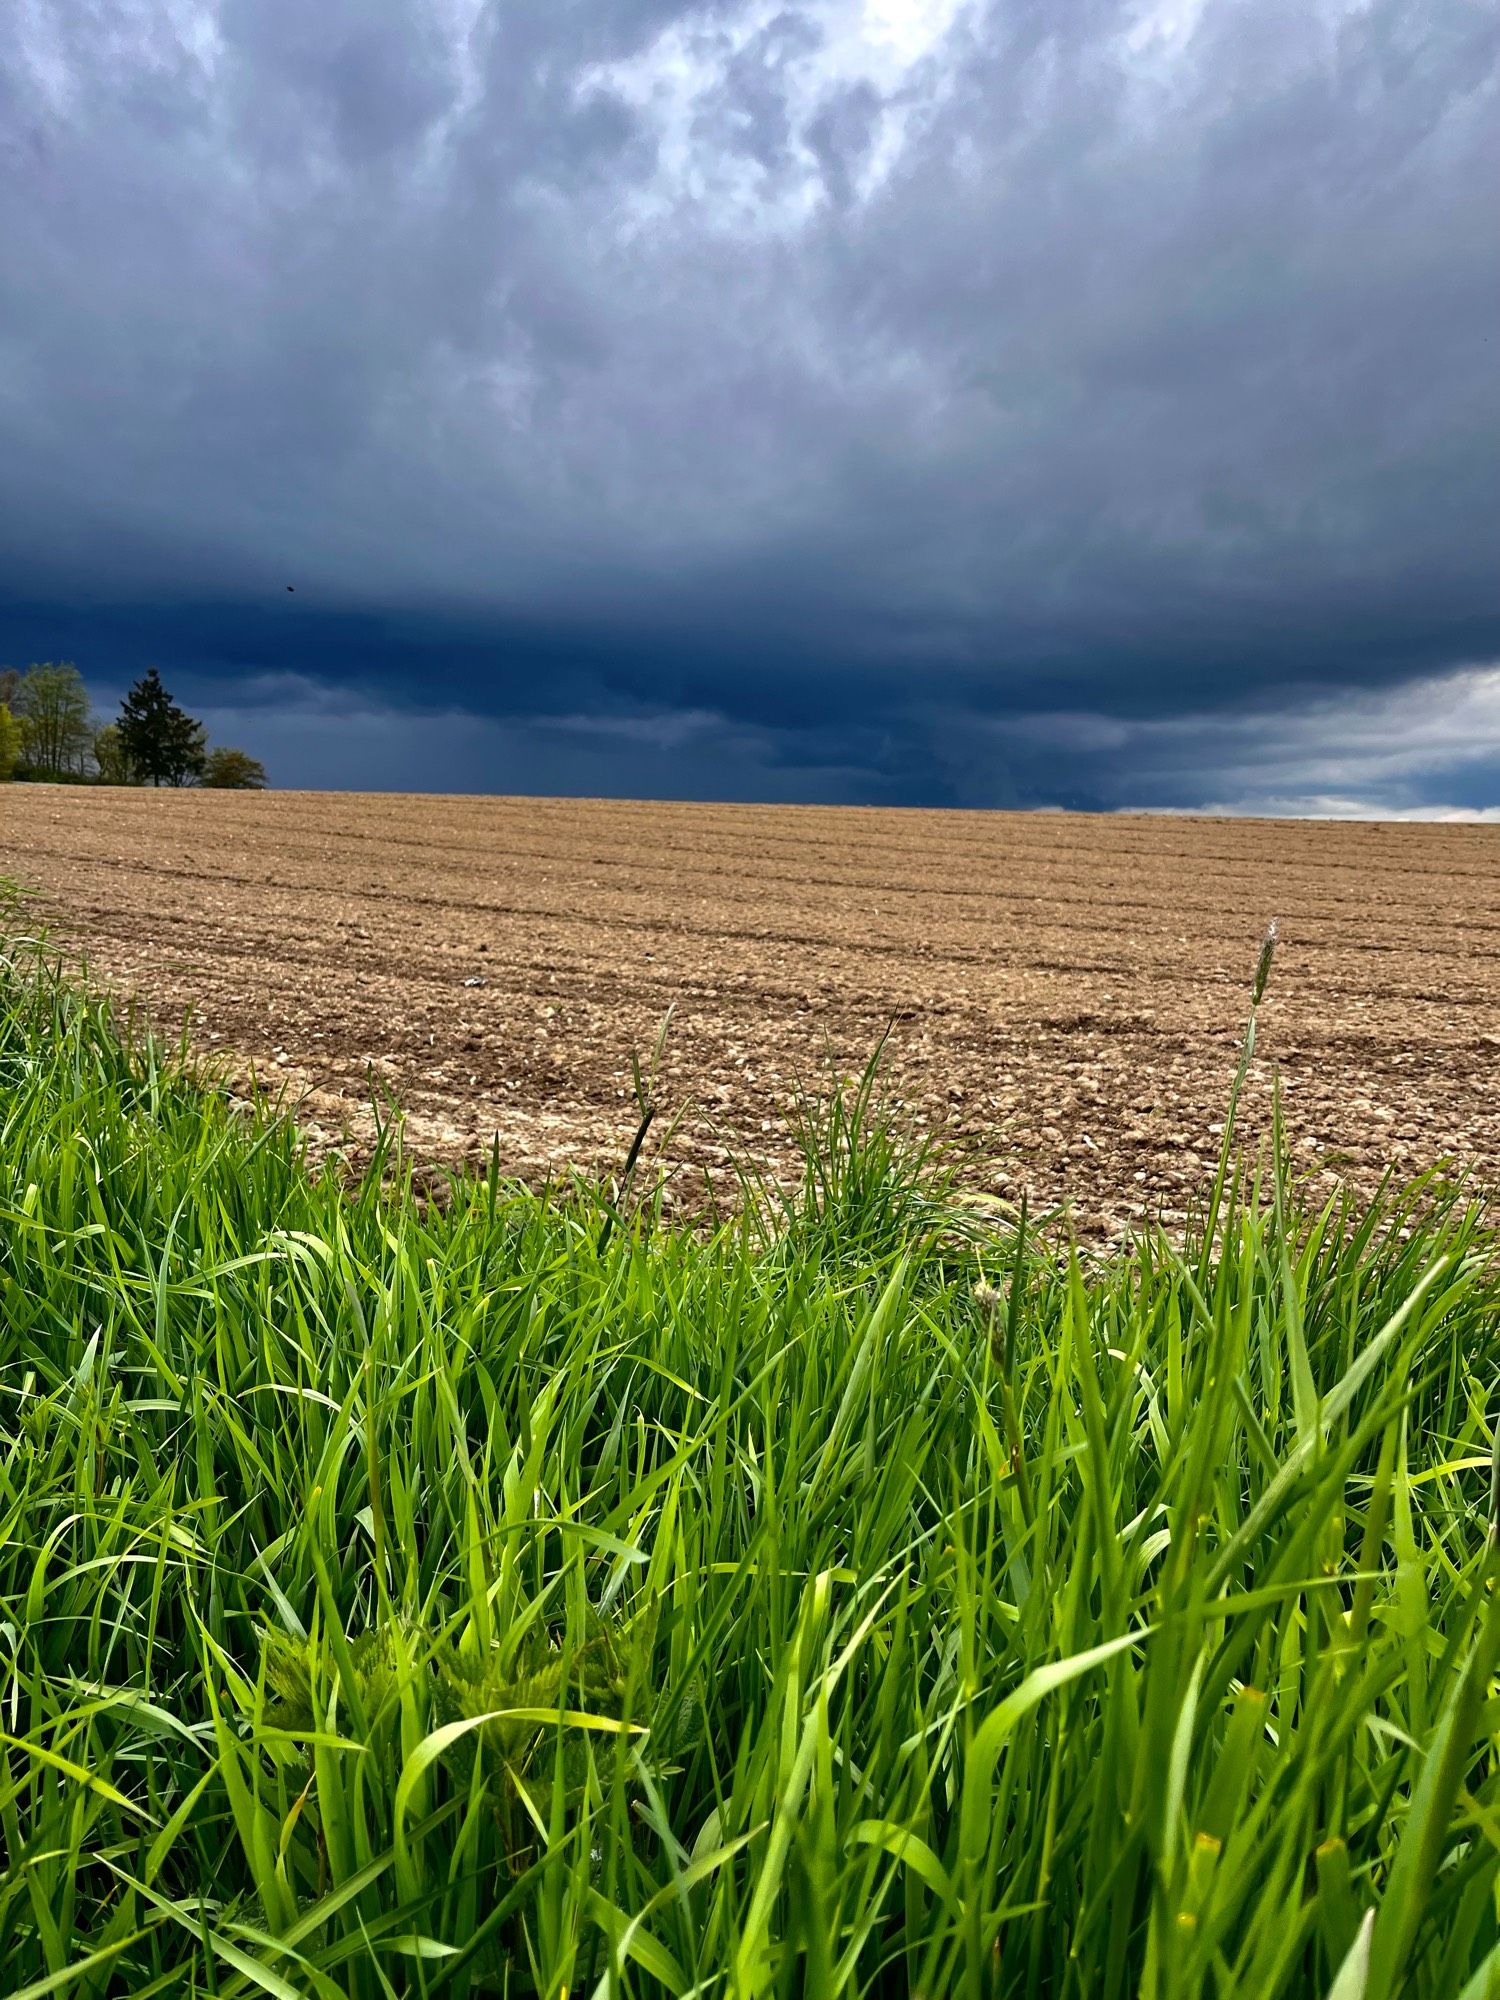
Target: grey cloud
(1079,358)
(841,138)
(1422,749)
(313,737)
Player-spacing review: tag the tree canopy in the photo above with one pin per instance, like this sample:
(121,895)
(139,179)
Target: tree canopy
(162,741)
(110,760)
(49,730)
(10,742)
(229,770)
(53,707)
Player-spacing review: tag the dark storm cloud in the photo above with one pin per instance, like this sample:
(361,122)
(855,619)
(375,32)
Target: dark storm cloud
(892,398)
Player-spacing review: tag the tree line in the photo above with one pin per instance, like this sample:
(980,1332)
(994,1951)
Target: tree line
(49,731)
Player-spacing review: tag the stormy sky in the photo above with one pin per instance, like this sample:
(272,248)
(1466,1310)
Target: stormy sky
(974,402)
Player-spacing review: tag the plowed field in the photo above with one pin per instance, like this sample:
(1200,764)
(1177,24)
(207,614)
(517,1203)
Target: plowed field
(1067,993)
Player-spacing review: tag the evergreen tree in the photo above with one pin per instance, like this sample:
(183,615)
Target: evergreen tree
(160,740)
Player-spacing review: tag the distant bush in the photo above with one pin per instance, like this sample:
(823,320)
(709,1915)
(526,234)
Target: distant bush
(10,743)
(228,770)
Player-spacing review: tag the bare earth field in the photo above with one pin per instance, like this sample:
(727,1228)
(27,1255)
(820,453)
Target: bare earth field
(1068,993)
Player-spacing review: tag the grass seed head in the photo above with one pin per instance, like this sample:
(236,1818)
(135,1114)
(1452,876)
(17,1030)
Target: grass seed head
(1263,965)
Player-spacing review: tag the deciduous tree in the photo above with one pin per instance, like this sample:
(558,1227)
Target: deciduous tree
(10,743)
(53,705)
(234,771)
(113,765)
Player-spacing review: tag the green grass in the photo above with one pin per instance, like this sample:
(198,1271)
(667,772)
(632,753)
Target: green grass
(463,1598)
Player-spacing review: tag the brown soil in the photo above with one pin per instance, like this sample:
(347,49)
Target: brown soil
(1068,993)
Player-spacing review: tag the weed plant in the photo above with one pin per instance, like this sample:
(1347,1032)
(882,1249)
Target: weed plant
(464,1599)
